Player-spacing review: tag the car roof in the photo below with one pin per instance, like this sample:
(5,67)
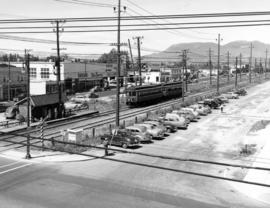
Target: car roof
(135,126)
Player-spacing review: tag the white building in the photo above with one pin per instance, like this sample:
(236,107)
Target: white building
(74,76)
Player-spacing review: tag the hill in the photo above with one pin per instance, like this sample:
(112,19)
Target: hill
(199,51)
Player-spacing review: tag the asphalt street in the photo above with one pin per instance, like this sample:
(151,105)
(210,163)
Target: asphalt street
(26,184)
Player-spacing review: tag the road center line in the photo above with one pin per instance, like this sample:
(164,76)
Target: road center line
(16,168)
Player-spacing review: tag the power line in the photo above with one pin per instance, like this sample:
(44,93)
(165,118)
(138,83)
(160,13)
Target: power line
(87,3)
(136,29)
(35,40)
(175,16)
(177,32)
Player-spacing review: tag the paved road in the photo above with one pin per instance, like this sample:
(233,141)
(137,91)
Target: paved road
(28,185)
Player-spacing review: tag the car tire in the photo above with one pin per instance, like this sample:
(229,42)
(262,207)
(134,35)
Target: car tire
(169,130)
(124,145)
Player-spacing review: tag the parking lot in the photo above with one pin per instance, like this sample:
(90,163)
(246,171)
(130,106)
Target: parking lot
(216,137)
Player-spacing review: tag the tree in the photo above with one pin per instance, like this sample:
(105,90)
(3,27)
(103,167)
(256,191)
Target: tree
(111,57)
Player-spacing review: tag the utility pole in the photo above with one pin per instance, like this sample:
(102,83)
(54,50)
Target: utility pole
(255,67)
(260,67)
(58,72)
(58,67)
(183,74)
(210,66)
(250,62)
(138,38)
(131,57)
(9,77)
(218,64)
(27,66)
(236,63)
(240,68)
(117,120)
(265,66)
(85,75)
(185,67)
(228,64)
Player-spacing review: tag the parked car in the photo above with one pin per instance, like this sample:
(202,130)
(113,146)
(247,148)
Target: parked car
(11,112)
(240,92)
(157,125)
(200,109)
(169,127)
(152,130)
(191,110)
(187,115)
(175,120)
(84,97)
(80,98)
(69,106)
(140,132)
(122,138)
(223,99)
(206,107)
(209,102)
(231,95)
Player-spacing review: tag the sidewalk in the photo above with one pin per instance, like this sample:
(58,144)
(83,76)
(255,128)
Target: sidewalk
(50,156)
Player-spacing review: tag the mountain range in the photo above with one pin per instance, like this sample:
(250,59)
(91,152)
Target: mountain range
(199,52)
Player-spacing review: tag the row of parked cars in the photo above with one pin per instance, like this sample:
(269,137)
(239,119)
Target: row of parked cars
(168,123)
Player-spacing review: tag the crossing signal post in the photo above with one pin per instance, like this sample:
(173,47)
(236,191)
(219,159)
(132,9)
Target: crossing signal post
(41,127)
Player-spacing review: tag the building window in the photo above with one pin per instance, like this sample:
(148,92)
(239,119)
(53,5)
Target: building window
(33,72)
(157,79)
(45,73)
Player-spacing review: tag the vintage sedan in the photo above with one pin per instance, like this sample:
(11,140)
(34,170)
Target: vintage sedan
(140,132)
(157,125)
(231,95)
(151,129)
(121,137)
(200,109)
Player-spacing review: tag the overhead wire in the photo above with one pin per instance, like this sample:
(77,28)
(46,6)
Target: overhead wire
(85,3)
(136,29)
(168,22)
(112,18)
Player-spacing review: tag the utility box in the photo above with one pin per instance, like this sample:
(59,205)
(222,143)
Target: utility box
(75,135)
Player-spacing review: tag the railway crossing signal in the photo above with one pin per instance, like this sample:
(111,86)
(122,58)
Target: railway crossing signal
(41,127)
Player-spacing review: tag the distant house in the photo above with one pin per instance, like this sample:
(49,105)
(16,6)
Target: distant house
(11,78)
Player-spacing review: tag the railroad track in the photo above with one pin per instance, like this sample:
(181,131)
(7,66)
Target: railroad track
(20,138)
(134,112)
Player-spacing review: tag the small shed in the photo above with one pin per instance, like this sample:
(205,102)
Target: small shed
(41,106)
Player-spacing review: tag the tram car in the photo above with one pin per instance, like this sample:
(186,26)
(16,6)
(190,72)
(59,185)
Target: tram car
(148,94)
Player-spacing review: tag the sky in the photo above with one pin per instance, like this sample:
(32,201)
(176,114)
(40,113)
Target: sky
(152,40)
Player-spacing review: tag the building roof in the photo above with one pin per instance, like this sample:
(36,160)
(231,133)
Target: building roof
(43,100)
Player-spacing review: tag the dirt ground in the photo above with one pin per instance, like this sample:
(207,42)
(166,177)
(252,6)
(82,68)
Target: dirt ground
(217,137)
